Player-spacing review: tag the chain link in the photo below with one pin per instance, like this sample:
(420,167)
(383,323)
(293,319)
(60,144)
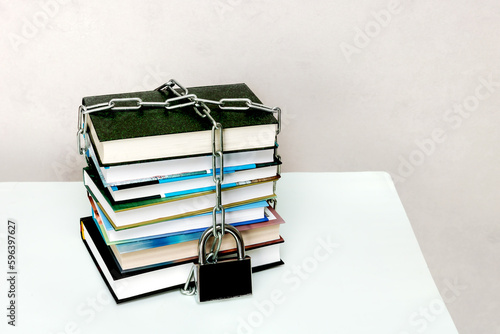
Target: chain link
(187,290)
(234,105)
(170,86)
(213,256)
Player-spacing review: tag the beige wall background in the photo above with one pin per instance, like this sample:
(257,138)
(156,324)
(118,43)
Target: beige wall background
(407,87)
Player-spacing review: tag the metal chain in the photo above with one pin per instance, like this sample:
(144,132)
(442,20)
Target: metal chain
(186,289)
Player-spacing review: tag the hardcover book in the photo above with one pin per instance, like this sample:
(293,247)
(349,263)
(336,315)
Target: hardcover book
(240,215)
(125,286)
(155,133)
(149,211)
(166,169)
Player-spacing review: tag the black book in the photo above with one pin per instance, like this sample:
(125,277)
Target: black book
(129,285)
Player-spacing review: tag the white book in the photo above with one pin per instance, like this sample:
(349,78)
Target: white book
(190,185)
(176,225)
(154,212)
(165,169)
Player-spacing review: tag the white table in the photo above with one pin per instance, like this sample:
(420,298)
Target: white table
(353,265)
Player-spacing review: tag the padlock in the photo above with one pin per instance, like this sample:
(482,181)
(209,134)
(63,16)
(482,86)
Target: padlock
(226,278)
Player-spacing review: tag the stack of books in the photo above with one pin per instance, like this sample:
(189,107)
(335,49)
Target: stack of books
(150,185)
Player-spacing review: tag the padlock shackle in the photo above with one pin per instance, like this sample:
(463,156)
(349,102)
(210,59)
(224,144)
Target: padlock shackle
(240,246)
